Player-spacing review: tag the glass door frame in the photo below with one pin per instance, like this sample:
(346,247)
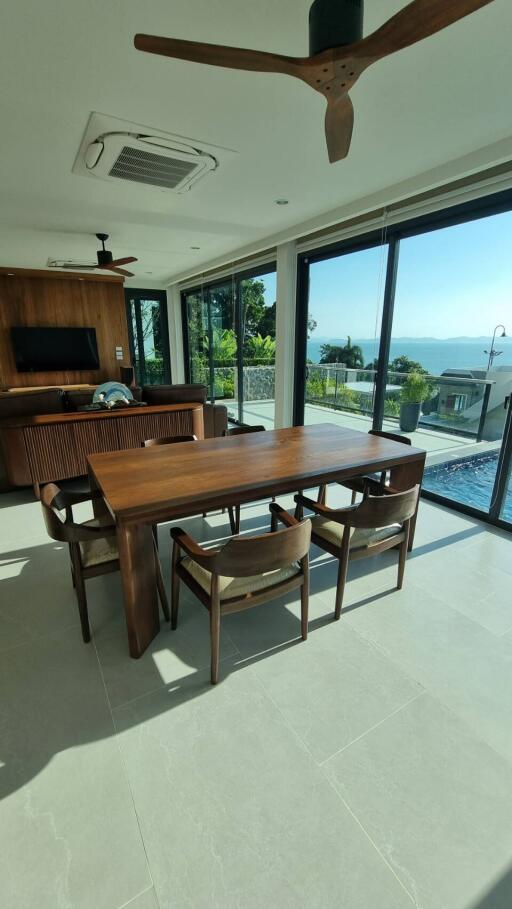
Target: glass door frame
(138,295)
(203,290)
(485,206)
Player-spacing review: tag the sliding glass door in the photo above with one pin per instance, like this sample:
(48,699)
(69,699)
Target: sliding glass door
(148,332)
(229,335)
(342,320)
(411,336)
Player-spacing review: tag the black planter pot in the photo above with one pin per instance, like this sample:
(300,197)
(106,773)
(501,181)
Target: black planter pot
(409,417)
(334,23)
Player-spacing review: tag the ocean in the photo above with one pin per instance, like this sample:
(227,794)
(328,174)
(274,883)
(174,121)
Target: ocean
(433,354)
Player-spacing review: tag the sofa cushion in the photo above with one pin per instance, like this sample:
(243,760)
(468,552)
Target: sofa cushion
(215,420)
(174,394)
(74,400)
(28,403)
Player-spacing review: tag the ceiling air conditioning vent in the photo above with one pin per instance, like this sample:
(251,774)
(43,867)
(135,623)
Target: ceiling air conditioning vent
(71,265)
(151,160)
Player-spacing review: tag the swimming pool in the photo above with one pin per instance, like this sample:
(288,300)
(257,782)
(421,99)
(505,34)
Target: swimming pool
(468,480)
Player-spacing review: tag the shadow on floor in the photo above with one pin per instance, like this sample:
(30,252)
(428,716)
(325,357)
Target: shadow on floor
(57,701)
(499,897)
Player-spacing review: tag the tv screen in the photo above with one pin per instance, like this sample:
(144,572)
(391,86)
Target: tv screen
(48,349)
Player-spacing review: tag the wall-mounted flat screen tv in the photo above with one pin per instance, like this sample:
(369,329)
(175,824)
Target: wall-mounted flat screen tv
(54,349)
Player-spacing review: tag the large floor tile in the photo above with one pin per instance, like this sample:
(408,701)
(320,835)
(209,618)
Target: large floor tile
(437,802)
(465,584)
(69,833)
(146,900)
(171,656)
(233,810)
(468,668)
(331,688)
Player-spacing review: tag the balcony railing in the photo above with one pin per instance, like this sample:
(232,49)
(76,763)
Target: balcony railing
(454,405)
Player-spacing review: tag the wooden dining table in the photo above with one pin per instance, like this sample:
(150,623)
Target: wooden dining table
(146,486)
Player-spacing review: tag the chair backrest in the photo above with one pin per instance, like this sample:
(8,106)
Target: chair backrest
(64,530)
(394,436)
(381,511)
(52,504)
(242,430)
(246,556)
(167,440)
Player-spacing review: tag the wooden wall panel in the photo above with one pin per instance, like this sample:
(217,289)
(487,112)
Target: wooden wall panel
(63,302)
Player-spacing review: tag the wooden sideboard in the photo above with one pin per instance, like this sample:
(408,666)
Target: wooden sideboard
(51,447)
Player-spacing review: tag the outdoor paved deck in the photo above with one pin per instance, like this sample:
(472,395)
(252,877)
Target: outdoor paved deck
(440,446)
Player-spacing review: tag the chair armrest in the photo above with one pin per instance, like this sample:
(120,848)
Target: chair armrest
(317,507)
(340,515)
(280,514)
(183,541)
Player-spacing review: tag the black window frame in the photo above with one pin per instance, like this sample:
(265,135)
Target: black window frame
(138,295)
(461,213)
(204,289)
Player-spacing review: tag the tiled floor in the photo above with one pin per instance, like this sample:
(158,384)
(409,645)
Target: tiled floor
(368,768)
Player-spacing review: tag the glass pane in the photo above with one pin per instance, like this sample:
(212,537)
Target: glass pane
(197,324)
(223,341)
(152,342)
(345,311)
(506,508)
(451,369)
(258,330)
(139,378)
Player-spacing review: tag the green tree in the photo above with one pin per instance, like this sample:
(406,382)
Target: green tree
(260,351)
(405,365)
(350,355)
(223,346)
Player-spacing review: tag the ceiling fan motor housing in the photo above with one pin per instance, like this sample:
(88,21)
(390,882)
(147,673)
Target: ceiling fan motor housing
(104,257)
(334,23)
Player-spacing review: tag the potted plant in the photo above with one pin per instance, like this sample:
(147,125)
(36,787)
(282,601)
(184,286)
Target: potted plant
(415,390)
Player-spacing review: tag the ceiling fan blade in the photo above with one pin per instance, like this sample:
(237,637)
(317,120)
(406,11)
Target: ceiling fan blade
(125,261)
(339,123)
(219,55)
(416,21)
(118,271)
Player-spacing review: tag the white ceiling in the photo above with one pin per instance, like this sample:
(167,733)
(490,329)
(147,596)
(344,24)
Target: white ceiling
(59,60)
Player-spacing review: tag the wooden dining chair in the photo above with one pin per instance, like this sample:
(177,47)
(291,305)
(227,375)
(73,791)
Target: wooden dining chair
(165,440)
(234,512)
(357,484)
(243,572)
(378,523)
(168,440)
(92,547)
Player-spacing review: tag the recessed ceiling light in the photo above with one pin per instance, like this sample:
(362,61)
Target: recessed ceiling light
(282,201)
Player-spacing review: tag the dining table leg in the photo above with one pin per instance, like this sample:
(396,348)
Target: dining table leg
(138,575)
(405,476)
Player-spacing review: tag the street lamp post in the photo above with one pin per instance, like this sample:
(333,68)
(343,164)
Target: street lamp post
(492,352)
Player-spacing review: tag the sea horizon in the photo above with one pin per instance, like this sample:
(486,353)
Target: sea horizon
(434,354)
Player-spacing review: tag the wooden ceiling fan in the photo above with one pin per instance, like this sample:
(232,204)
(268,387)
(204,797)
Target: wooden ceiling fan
(107,262)
(338,52)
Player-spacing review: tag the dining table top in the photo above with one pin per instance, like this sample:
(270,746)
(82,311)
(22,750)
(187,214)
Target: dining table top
(164,482)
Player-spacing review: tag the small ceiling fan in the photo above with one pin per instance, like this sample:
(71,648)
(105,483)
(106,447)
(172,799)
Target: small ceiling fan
(338,52)
(108,263)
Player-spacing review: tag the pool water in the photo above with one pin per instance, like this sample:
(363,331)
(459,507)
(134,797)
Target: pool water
(468,480)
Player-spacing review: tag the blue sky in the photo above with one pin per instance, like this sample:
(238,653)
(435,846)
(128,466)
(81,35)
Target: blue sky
(452,282)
